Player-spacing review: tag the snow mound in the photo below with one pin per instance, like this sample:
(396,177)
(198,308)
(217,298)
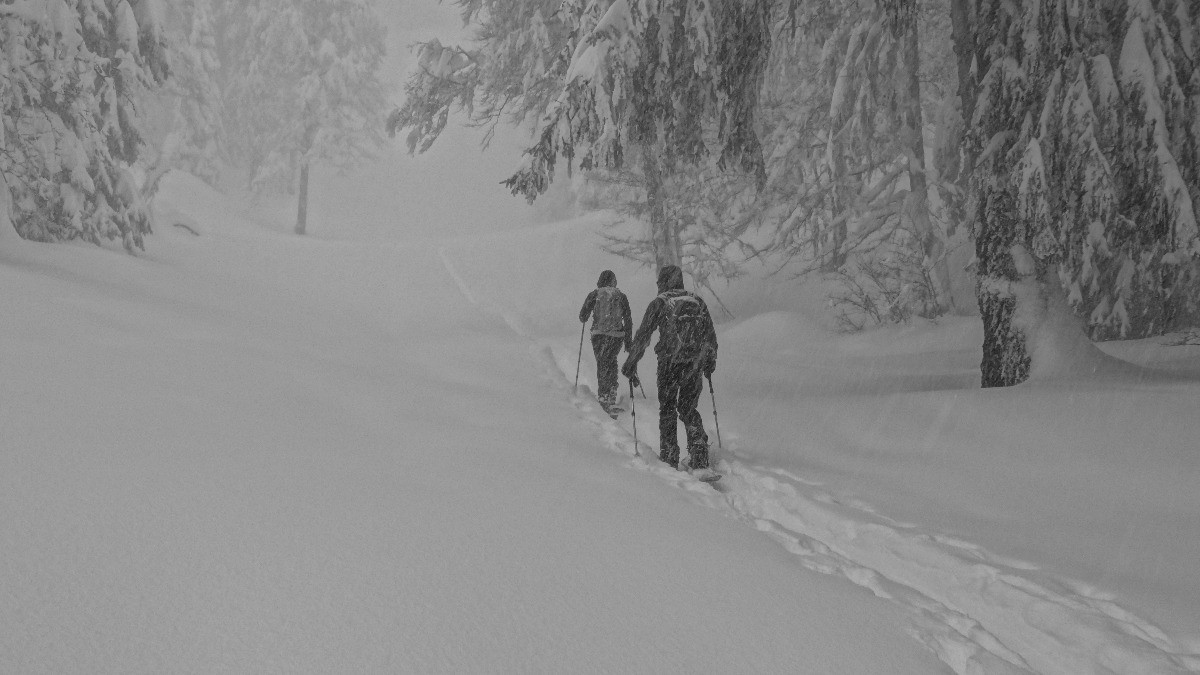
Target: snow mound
(776,331)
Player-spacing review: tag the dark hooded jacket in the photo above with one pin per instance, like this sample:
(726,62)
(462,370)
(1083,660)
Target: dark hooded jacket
(670,283)
(609,280)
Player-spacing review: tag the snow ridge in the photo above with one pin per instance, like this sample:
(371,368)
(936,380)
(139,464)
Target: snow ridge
(978,612)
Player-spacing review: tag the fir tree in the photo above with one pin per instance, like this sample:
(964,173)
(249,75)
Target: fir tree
(853,95)
(1085,139)
(300,85)
(194,98)
(518,69)
(512,71)
(648,81)
(70,77)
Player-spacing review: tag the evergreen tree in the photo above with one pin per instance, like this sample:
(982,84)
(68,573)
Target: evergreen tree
(1086,145)
(70,77)
(656,81)
(512,71)
(300,84)
(524,55)
(194,141)
(852,94)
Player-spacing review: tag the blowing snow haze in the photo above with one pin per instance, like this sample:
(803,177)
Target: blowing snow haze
(452,189)
(276,396)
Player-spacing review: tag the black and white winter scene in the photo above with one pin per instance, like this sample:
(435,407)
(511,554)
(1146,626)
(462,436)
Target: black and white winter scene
(600,336)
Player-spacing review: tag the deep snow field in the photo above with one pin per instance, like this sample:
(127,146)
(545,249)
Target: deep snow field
(246,451)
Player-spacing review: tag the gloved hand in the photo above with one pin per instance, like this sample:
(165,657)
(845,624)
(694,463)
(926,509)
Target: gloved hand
(629,370)
(709,366)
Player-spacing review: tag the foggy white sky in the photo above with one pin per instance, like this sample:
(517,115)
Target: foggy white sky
(452,189)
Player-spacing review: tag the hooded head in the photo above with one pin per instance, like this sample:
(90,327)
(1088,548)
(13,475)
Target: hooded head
(670,278)
(607,278)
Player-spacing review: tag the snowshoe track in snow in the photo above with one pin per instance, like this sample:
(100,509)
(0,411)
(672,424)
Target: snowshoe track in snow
(978,612)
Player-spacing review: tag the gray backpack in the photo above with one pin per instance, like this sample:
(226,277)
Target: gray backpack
(683,327)
(607,312)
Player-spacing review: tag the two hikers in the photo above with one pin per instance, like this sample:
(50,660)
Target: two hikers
(612,328)
(687,352)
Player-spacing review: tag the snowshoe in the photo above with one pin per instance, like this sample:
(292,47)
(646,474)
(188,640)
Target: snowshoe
(613,408)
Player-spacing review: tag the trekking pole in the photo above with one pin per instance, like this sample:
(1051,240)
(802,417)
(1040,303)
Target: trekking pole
(643,391)
(716,420)
(633,414)
(579,360)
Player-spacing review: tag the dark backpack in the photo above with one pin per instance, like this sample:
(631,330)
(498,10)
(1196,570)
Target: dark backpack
(607,312)
(683,327)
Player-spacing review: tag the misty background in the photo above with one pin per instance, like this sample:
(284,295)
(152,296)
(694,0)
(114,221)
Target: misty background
(453,189)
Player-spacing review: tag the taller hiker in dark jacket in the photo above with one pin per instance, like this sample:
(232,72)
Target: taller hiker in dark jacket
(686,350)
(612,327)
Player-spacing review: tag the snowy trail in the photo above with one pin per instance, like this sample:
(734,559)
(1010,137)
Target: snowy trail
(250,452)
(978,612)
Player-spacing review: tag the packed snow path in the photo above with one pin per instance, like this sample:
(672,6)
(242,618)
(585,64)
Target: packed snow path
(979,612)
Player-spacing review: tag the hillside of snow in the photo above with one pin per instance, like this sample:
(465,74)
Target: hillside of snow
(245,451)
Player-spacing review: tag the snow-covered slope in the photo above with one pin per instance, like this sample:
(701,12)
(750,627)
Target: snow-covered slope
(246,452)
(1052,527)
(250,452)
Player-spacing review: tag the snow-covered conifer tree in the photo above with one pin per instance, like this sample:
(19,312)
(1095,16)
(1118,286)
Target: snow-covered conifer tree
(651,81)
(192,94)
(1086,139)
(846,143)
(71,76)
(512,71)
(301,85)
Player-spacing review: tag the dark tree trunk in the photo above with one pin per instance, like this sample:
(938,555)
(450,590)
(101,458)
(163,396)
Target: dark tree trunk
(662,233)
(963,33)
(310,136)
(962,28)
(1006,355)
(6,221)
(1006,360)
(913,120)
(831,249)
(302,210)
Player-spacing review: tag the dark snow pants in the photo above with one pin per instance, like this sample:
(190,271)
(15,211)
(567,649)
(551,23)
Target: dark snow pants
(606,348)
(679,387)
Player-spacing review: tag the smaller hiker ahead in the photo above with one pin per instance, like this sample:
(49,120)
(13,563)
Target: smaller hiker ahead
(612,327)
(687,352)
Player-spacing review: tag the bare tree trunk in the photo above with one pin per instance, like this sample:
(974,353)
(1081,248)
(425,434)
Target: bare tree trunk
(6,223)
(962,29)
(830,246)
(302,210)
(834,256)
(662,233)
(963,33)
(310,137)
(933,244)
(1006,355)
